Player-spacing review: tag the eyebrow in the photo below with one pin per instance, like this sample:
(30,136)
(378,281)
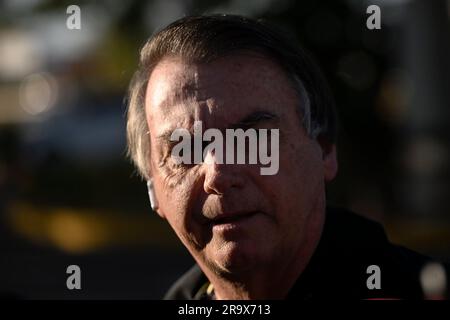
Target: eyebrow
(246,123)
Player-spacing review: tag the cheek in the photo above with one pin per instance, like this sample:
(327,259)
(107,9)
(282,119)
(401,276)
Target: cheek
(300,176)
(178,195)
(176,202)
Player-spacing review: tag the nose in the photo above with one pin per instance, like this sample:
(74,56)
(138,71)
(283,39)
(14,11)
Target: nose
(219,177)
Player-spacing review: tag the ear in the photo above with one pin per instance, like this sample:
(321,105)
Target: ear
(152,196)
(329,158)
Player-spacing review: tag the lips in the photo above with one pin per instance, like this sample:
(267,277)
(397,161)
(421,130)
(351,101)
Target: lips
(232,217)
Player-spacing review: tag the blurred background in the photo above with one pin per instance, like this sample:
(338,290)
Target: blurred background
(69,196)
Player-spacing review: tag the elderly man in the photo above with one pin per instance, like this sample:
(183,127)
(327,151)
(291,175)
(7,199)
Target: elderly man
(253,236)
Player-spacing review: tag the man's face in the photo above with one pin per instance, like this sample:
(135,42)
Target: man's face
(229,216)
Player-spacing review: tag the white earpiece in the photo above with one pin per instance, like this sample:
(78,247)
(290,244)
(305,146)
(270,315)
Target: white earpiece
(152,195)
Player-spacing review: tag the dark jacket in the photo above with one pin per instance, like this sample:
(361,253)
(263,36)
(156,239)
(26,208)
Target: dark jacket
(338,268)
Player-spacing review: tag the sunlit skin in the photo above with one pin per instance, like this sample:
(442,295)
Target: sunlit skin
(257,255)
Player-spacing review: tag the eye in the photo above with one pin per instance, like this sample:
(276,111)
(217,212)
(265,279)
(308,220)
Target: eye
(186,156)
(180,156)
(205,144)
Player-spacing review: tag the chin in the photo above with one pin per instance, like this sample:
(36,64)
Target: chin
(236,257)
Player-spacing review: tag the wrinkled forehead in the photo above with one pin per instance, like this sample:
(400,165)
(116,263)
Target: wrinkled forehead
(218,92)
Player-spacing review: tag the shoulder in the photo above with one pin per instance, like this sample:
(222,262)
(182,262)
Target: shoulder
(187,286)
(364,247)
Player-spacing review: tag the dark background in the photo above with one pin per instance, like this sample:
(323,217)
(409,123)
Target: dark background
(69,196)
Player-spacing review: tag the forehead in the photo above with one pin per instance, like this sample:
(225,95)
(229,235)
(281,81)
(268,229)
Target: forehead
(217,93)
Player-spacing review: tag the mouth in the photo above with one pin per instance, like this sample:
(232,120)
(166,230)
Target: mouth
(230,219)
